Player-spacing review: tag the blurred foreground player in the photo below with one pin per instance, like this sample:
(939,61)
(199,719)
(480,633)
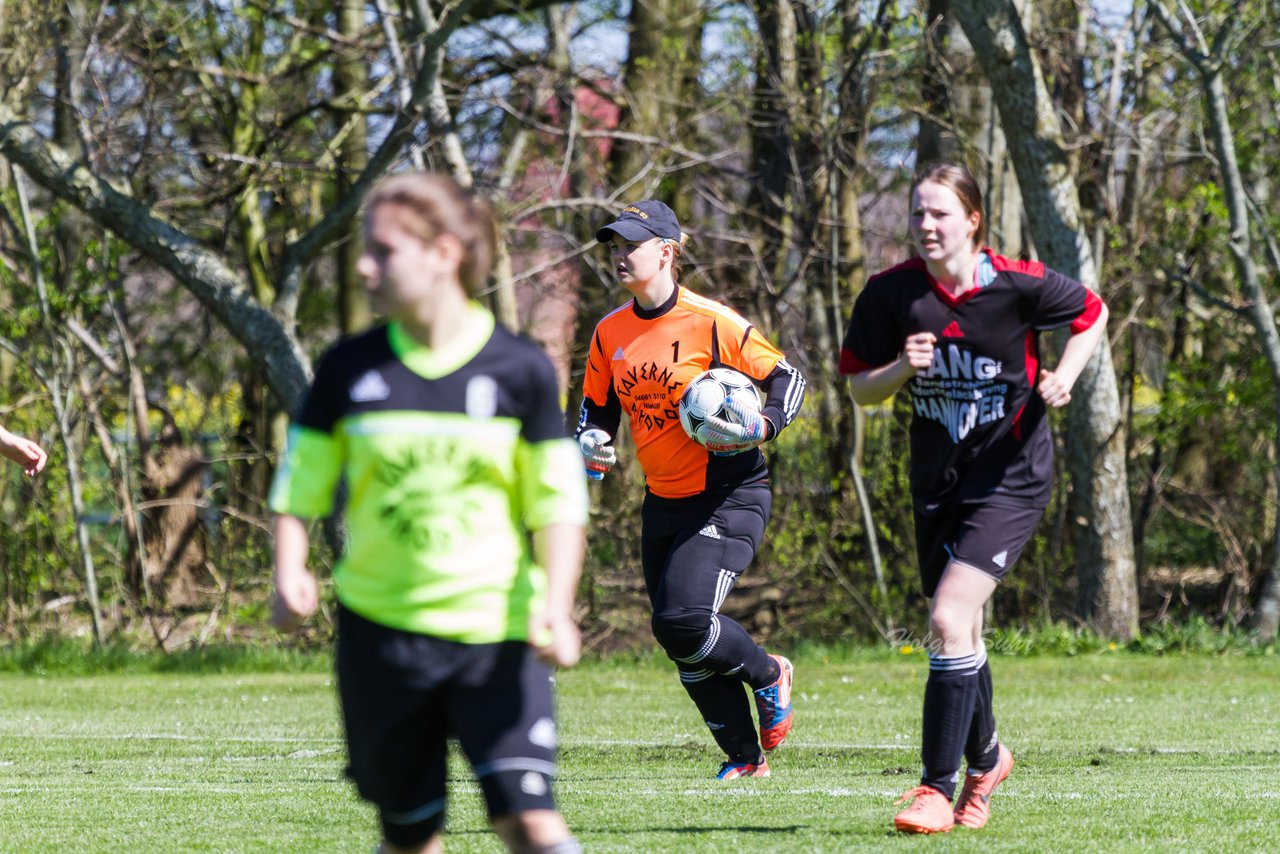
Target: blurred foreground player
(448,433)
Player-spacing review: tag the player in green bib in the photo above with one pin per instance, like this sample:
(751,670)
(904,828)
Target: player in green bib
(465,509)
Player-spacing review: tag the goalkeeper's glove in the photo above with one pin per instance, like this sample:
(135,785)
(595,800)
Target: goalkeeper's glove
(597,454)
(726,438)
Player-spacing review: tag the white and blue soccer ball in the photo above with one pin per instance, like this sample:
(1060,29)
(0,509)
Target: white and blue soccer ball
(705,396)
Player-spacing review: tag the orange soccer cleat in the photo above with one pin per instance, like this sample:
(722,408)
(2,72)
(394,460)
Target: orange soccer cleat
(973,809)
(929,813)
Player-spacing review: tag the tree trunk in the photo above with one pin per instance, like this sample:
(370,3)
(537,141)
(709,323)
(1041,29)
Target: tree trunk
(771,135)
(1108,593)
(1209,66)
(172,529)
(203,273)
(266,334)
(350,82)
(960,107)
(663,58)
(938,141)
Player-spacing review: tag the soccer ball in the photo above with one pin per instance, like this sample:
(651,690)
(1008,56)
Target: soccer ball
(705,395)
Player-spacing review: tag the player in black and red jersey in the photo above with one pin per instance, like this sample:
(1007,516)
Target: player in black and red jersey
(705,509)
(957,326)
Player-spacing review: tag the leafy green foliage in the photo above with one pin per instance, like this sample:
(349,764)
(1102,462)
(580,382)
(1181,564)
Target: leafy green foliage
(1192,636)
(57,655)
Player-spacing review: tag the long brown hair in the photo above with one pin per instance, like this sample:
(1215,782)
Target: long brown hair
(435,204)
(960,181)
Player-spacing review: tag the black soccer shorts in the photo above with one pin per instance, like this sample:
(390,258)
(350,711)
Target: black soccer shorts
(987,536)
(404,695)
(694,549)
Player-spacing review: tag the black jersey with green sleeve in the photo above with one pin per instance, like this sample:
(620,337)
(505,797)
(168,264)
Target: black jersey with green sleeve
(450,460)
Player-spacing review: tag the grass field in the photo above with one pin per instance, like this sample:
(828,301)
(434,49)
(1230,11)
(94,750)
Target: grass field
(1115,752)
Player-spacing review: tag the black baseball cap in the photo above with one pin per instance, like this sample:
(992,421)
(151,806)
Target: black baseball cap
(642,221)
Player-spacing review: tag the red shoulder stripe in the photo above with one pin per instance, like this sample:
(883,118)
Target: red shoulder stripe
(1089,316)
(913,263)
(851,364)
(1030,268)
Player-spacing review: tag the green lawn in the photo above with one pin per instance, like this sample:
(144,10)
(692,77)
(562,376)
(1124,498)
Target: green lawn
(1114,752)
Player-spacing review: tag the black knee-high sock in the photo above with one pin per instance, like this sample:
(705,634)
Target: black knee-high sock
(981,750)
(949,698)
(724,707)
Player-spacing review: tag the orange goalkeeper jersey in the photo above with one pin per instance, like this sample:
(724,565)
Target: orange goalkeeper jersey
(639,364)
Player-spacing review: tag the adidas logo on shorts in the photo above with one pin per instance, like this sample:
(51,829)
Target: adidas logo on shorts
(710,531)
(1001,559)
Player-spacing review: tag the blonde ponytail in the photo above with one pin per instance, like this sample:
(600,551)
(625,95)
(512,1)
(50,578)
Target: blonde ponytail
(677,249)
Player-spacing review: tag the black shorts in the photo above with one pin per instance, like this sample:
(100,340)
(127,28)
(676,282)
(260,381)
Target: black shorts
(693,549)
(988,537)
(404,695)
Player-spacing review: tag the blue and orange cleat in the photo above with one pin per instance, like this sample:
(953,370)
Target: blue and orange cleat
(973,807)
(734,770)
(773,705)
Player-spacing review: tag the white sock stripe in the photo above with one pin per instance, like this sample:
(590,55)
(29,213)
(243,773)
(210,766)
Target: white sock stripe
(695,675)
(422,813)
(959,662)
(567,846)
(516,764)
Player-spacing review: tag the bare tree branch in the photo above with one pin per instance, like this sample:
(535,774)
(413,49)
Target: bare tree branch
(219,288)
(302,251)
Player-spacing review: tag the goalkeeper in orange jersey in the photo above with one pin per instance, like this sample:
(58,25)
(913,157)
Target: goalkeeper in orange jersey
(705,508)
